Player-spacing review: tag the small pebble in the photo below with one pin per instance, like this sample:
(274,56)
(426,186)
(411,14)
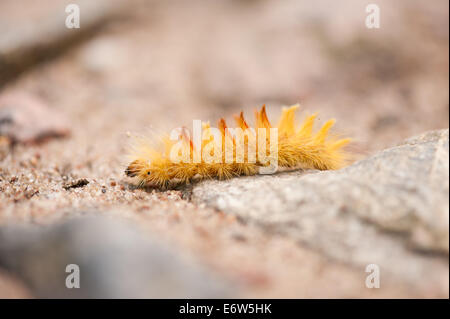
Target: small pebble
(33,161)
(75,184)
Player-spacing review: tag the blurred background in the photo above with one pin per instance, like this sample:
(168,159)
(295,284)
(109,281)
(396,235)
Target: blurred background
(137,64)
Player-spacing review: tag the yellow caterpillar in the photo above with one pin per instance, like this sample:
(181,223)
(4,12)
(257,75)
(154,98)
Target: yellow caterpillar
(221,154)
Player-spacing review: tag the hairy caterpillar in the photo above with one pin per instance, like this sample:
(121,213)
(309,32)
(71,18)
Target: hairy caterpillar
(221,154)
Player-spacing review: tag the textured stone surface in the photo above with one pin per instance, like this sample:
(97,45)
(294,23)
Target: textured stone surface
(114,259)
(390,209)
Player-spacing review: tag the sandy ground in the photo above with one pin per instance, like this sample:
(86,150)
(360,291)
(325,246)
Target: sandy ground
(171,62)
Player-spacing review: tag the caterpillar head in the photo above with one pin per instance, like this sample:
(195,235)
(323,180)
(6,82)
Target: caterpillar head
(141,170)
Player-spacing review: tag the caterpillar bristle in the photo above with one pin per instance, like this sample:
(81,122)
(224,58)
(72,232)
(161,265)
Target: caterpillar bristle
(296,147)
(261,118)
(323,132)
(240,121)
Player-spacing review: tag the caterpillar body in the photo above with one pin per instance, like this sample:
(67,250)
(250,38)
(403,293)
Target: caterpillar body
(223,155)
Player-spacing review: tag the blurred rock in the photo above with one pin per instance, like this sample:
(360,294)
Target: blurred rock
(11,288)
(25,118)
(390,209)
(25,42)
(114,259)
(104,55)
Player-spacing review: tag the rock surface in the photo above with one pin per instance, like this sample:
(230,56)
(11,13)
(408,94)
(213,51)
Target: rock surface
(114,259)
(390,209)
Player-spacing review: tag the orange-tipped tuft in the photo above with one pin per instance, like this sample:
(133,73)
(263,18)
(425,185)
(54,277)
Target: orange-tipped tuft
(240,121)
(261,118)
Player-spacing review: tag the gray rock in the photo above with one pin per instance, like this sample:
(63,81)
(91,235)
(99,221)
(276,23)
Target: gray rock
(114,258)
(390,209)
